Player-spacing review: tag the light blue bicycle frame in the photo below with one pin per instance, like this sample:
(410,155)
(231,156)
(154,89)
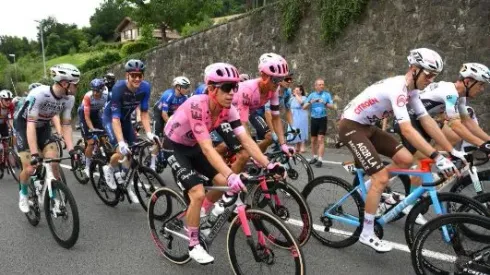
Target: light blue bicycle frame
(427,179)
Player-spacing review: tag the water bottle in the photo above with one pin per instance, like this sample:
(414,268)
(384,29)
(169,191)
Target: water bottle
(212,218)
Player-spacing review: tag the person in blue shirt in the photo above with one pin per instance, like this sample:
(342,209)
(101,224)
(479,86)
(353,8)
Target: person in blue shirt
(127,95)
(168,103)
(201,89)
(318,101)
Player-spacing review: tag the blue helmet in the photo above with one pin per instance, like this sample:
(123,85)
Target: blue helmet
(97,84)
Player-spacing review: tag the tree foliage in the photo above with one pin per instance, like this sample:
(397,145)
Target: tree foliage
(106,18)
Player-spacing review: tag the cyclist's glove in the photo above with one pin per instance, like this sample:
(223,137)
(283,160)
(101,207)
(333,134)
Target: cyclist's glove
(124,148)
(235,183)
(445,166)
(455,154)
(288,150)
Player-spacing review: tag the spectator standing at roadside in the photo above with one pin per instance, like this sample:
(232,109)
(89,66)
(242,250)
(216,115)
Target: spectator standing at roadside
(318,101)
(300,117)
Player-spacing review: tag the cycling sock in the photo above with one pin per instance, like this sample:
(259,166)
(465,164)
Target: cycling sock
(88,161)
(193,235)
(320,159)
(207,205)
(23,188)
(368,227)
(153,159)
(314,157)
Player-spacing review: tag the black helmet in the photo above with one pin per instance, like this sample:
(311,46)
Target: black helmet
(134,65)
(109,77)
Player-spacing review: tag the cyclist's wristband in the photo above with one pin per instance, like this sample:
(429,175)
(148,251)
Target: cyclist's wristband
(434,155)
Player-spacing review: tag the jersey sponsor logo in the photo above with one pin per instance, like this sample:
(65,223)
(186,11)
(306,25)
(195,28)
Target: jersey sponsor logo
(245,99)
(226,127)
(196,111)
(198,128)
(366,104)
(401,100)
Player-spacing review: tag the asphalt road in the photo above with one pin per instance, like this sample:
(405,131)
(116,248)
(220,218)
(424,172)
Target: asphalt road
(117,240)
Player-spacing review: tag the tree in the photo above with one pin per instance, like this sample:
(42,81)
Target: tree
(4,62)
(173,14)
(15,45)
(106,18)
(61,37)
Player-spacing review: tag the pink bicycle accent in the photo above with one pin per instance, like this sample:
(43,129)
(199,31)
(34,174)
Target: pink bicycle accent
(243,219)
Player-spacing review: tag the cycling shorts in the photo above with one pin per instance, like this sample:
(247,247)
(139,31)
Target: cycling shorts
(4,130)
(365,142)
(43,135)
(258,122)
(129,134)
(318,126)
(96,122)
(418,127)
(185,161)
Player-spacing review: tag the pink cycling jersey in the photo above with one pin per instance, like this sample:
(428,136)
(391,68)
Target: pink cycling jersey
(248,99)
(192,121)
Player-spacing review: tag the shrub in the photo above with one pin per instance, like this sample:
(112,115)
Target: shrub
(107,58)
(133,47)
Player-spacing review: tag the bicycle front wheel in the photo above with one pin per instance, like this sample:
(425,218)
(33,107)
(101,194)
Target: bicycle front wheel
(442,247)
(258,253)
(146,181)
(288,204)
(14,164)
(62,215)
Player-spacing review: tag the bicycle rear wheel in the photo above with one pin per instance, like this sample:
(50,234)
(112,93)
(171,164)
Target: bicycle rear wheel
(258,253)
(292,210)
(78,166)
(165,210)
(61,208)
(332,232)
(455,254)
(145,188)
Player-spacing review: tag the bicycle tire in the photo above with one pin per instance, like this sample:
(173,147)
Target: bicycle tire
(152,218)
(352,239)
(78,166)
(262,216)
(96,167)
(153,187)
(422,206)
(259,201)
(14,157)
(466,181)
(71,241)
(34,214)
(418,262)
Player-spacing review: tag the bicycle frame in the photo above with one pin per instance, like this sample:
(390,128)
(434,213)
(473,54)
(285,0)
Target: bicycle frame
(48,178)
(427,186)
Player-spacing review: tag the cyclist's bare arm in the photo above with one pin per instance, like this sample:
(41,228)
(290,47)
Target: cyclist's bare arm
(214,157)
(116,126)
(474,128)
(278,129)
(145,120)
(86,114)
(252,148)
(460,129)
(268,120)
(165,116)
(67,134)
(32,137)
(430,126)
(57,124)
(414,137)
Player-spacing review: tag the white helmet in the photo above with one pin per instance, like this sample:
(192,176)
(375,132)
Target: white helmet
(477,71)
(426,59)
(34,85)
(6,94)
(181,81)
(66,72)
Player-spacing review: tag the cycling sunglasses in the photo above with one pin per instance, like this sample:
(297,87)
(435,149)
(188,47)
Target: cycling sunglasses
(227,87)
(277,79)
(136,75)
(430,74)
(185,87)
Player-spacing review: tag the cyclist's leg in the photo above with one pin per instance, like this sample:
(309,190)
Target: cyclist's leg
(88,137)
(262,129)
(315,128)
(4,132)
(158,131)
(179,159)
(322,130)
(233,144)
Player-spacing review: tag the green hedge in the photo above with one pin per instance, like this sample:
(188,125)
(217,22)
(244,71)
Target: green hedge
(108,58)
(134,47)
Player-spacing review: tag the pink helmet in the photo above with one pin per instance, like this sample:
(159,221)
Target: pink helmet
(273,65)
(221,72)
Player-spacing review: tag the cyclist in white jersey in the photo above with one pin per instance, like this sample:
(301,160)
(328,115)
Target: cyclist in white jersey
(365,140)
(32,124)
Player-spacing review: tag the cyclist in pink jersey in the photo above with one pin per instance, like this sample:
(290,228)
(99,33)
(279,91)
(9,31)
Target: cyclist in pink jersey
(189,149)
(255,93)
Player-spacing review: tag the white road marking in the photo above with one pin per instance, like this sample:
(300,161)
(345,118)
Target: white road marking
(397,246)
